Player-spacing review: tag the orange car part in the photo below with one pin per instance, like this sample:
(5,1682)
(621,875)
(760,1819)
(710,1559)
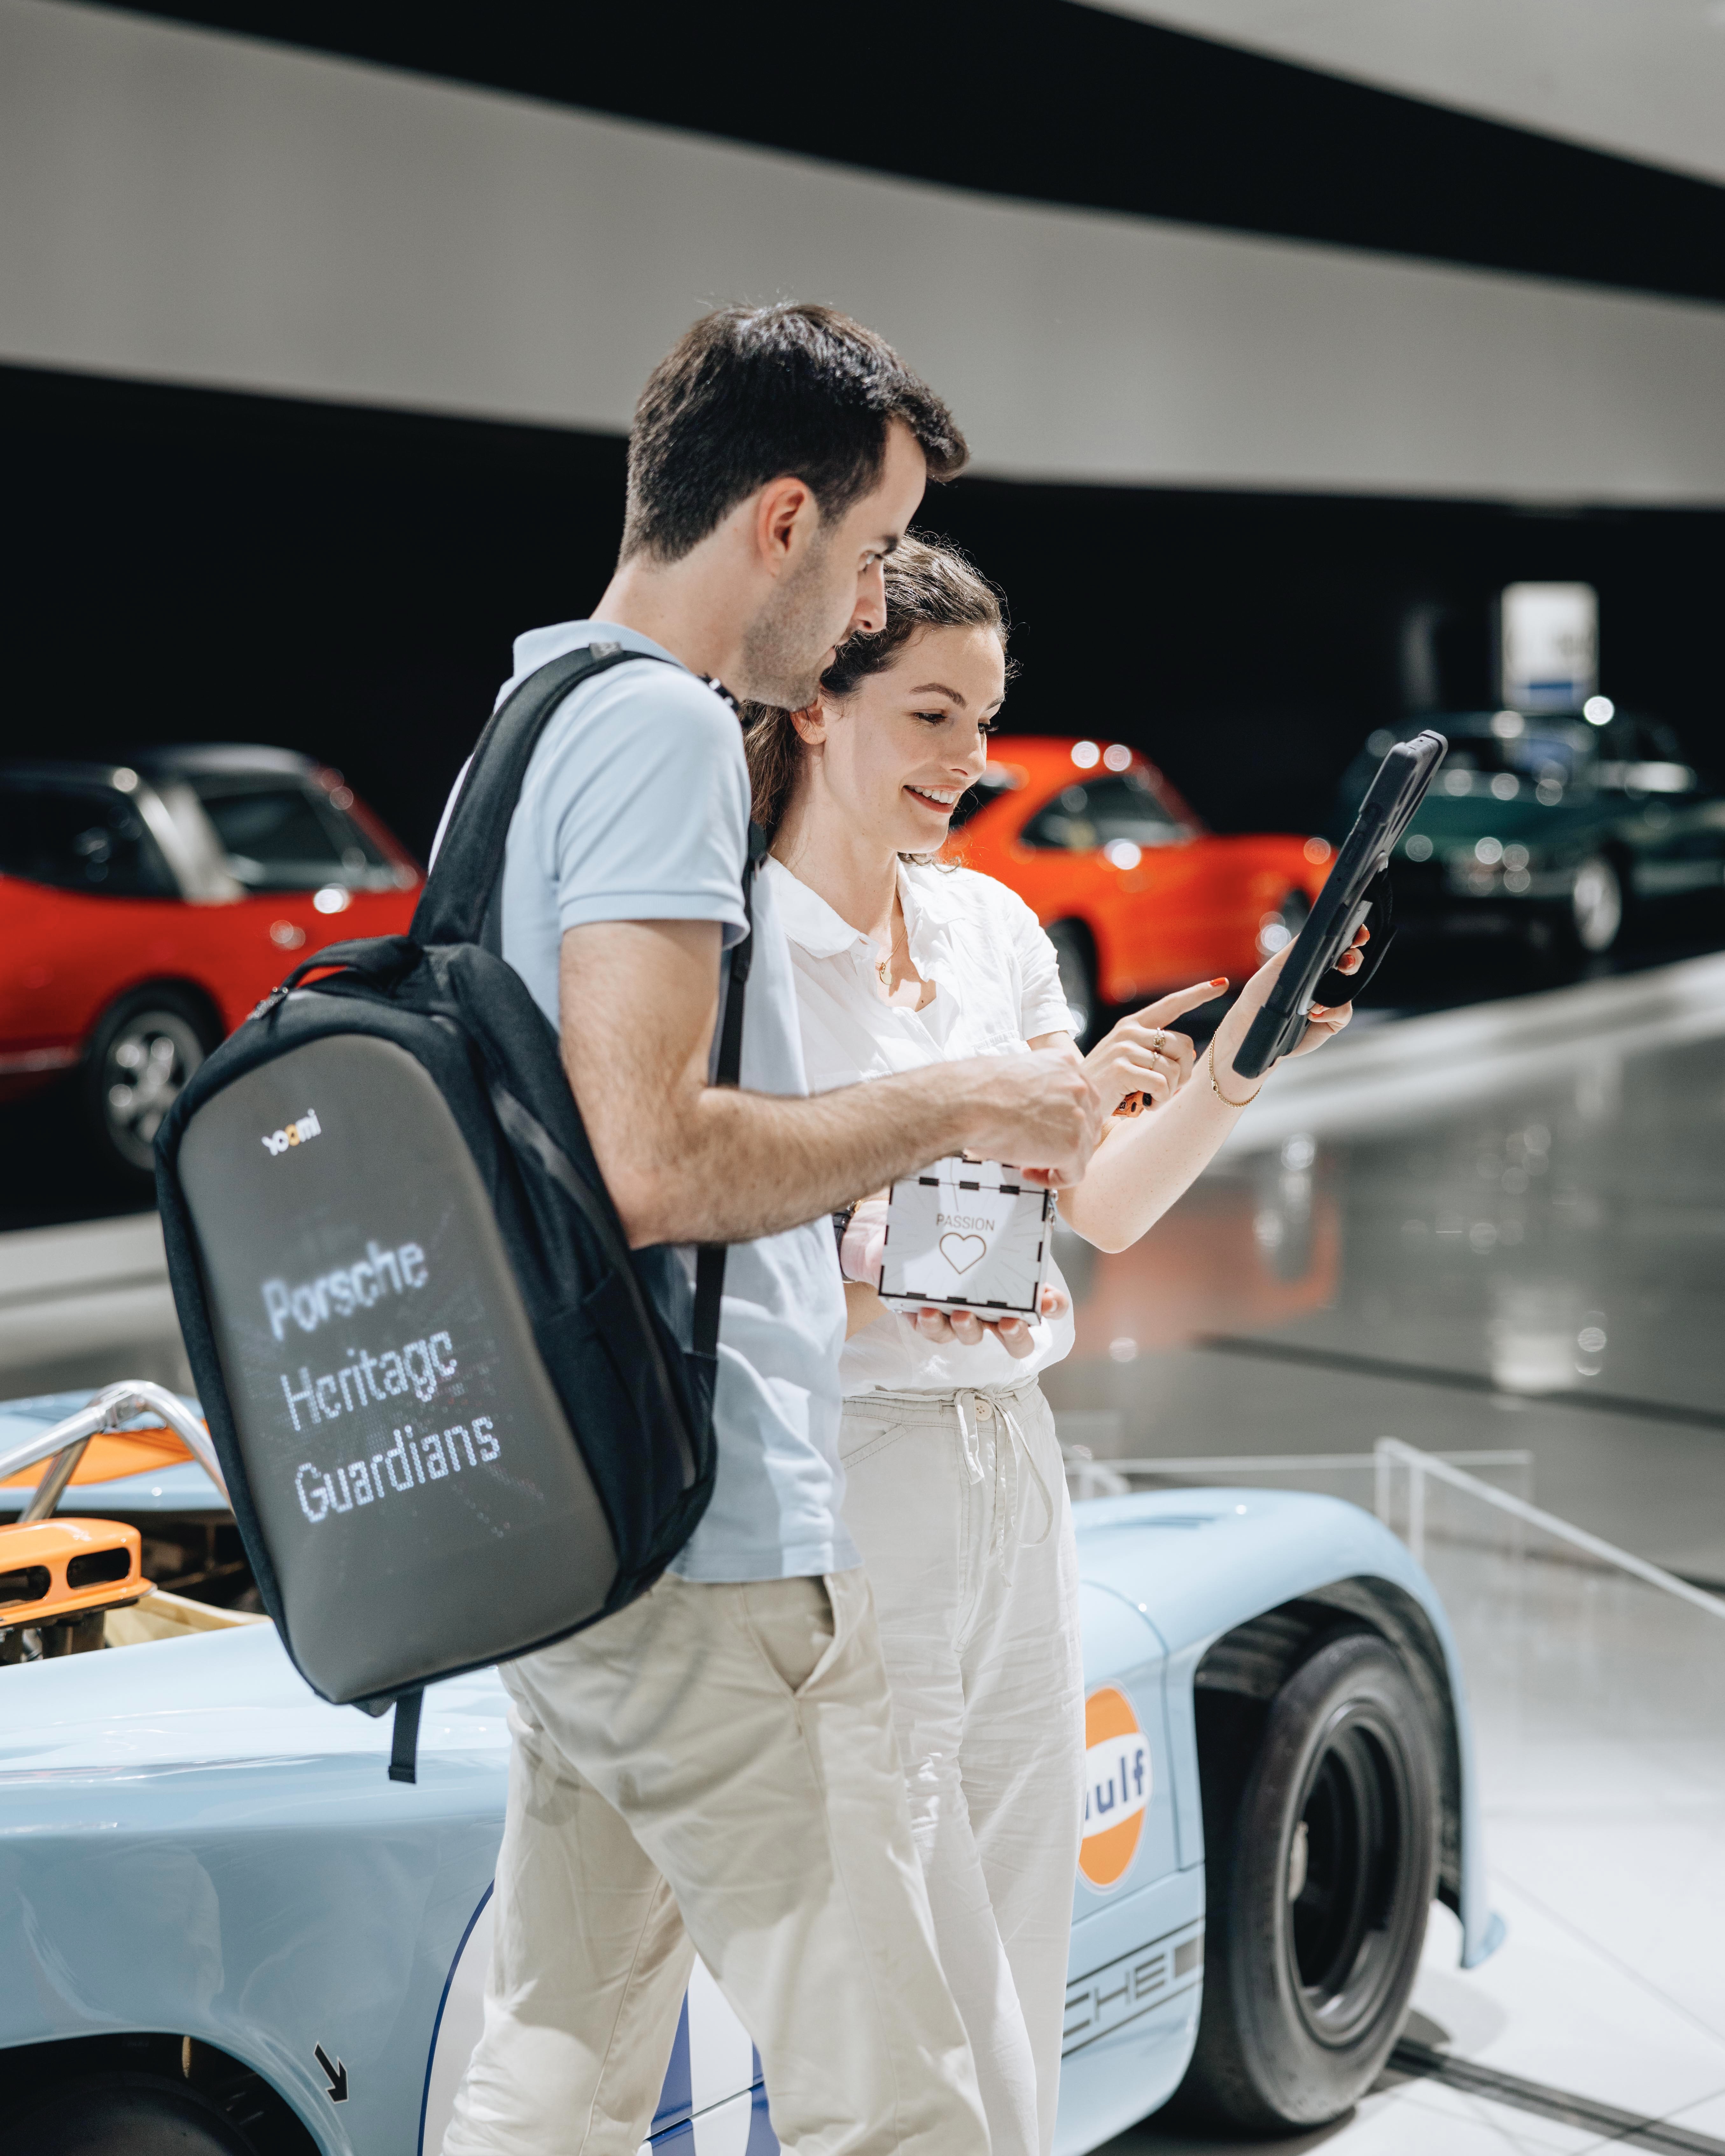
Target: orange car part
(110,1456)
(60,1569)
(1160,916)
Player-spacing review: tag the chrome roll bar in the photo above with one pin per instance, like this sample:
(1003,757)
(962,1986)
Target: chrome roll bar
(66,1442)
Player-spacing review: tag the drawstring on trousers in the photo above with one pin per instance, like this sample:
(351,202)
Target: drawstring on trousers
(1009,1441)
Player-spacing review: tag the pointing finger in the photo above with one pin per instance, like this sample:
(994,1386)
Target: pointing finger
(1181,1001)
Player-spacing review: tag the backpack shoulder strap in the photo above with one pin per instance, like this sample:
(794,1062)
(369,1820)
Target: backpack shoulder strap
(710,1265)
(452,906)
(404,1737)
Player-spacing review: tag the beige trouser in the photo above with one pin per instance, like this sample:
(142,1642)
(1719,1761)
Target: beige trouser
(957,1501)
(713,1770)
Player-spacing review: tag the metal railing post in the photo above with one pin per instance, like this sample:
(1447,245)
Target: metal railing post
(1416,1504)
(1382,1464)
(1595,1545)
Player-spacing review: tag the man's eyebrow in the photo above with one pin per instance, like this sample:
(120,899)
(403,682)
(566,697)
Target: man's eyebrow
(938,689)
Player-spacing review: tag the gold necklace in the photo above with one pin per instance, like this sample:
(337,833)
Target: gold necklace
(883,966)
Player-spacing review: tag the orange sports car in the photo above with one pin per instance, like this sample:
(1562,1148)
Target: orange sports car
(1137,896)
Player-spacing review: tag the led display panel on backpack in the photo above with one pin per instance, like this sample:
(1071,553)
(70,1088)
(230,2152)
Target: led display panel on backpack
(404,1445)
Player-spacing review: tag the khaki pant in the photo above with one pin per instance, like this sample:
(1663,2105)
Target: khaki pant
(713,1770)
(957,1502)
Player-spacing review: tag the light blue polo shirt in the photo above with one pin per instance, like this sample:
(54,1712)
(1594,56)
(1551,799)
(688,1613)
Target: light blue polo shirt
(635,807)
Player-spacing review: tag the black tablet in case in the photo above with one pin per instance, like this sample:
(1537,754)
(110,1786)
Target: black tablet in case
(1357,890)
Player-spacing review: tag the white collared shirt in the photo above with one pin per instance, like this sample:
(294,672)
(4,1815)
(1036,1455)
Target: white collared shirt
(997,988)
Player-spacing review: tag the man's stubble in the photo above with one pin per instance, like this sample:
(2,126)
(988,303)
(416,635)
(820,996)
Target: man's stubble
(786,645)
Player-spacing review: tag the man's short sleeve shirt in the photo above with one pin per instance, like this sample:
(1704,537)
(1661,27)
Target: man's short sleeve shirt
(635,807)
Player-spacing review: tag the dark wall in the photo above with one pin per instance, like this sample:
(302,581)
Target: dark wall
(207,566)
(1249,642)
(203,565)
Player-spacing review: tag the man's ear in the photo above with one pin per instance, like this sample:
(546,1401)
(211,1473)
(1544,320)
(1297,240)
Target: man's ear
(811,724)
(786,514)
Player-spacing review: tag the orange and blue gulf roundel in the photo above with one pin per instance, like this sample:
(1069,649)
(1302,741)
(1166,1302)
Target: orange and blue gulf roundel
(1117,1787)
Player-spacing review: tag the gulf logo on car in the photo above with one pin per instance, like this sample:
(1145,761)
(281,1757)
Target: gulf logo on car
(1117,1787)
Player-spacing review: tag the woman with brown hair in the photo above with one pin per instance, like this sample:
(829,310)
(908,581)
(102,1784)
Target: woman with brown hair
(955,1491)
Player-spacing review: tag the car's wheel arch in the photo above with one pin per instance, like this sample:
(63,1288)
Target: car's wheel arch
(1255,1658)
(183,988)
(1082,930)
(147,2060)
(1083,927)
(1625,860)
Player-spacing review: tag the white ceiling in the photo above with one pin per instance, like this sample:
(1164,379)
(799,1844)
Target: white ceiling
(1644,78)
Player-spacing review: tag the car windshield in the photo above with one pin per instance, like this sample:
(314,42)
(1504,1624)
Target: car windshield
(1539,749)
(1507,755)
(993,782)
(280,834)
(1099,811)
(87,838)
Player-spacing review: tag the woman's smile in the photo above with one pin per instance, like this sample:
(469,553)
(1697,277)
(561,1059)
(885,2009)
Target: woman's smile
(942,799)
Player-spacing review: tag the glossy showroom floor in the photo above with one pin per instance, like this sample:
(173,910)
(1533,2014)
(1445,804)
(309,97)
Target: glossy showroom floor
(1501,1228)
(1498,1229)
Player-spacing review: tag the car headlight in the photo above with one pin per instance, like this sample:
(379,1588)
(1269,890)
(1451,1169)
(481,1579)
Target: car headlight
(1490,868)
(1471,877)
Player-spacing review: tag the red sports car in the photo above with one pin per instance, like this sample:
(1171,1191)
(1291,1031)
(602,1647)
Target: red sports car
(1137,896)
(145,908)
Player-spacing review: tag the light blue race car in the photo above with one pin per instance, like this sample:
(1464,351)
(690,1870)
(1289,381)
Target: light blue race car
(224,1931)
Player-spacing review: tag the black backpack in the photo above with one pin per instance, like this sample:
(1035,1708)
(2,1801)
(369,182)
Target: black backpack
(456,1413)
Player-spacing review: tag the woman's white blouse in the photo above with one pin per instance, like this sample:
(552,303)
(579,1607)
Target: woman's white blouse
(996,987)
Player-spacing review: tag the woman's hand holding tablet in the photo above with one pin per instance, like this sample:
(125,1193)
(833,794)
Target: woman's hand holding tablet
(1356,891)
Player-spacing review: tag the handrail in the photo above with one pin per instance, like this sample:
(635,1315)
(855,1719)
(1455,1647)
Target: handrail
(1391,1451)
(1107,1477)
(110,1409)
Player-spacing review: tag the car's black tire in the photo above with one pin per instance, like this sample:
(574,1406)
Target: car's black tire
(122,2115)
(142,1051)
(1304,1991)
(1074,953)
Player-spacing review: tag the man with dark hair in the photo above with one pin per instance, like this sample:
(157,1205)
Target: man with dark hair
(754,392)
(714,1768)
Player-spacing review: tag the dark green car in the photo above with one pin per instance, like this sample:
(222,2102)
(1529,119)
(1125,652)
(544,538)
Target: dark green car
(1551,827)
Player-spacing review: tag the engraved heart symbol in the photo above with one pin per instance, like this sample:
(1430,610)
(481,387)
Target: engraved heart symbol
(962,1252)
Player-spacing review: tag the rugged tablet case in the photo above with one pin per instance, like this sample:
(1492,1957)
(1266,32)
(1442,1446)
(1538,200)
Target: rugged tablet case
(1356,890)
